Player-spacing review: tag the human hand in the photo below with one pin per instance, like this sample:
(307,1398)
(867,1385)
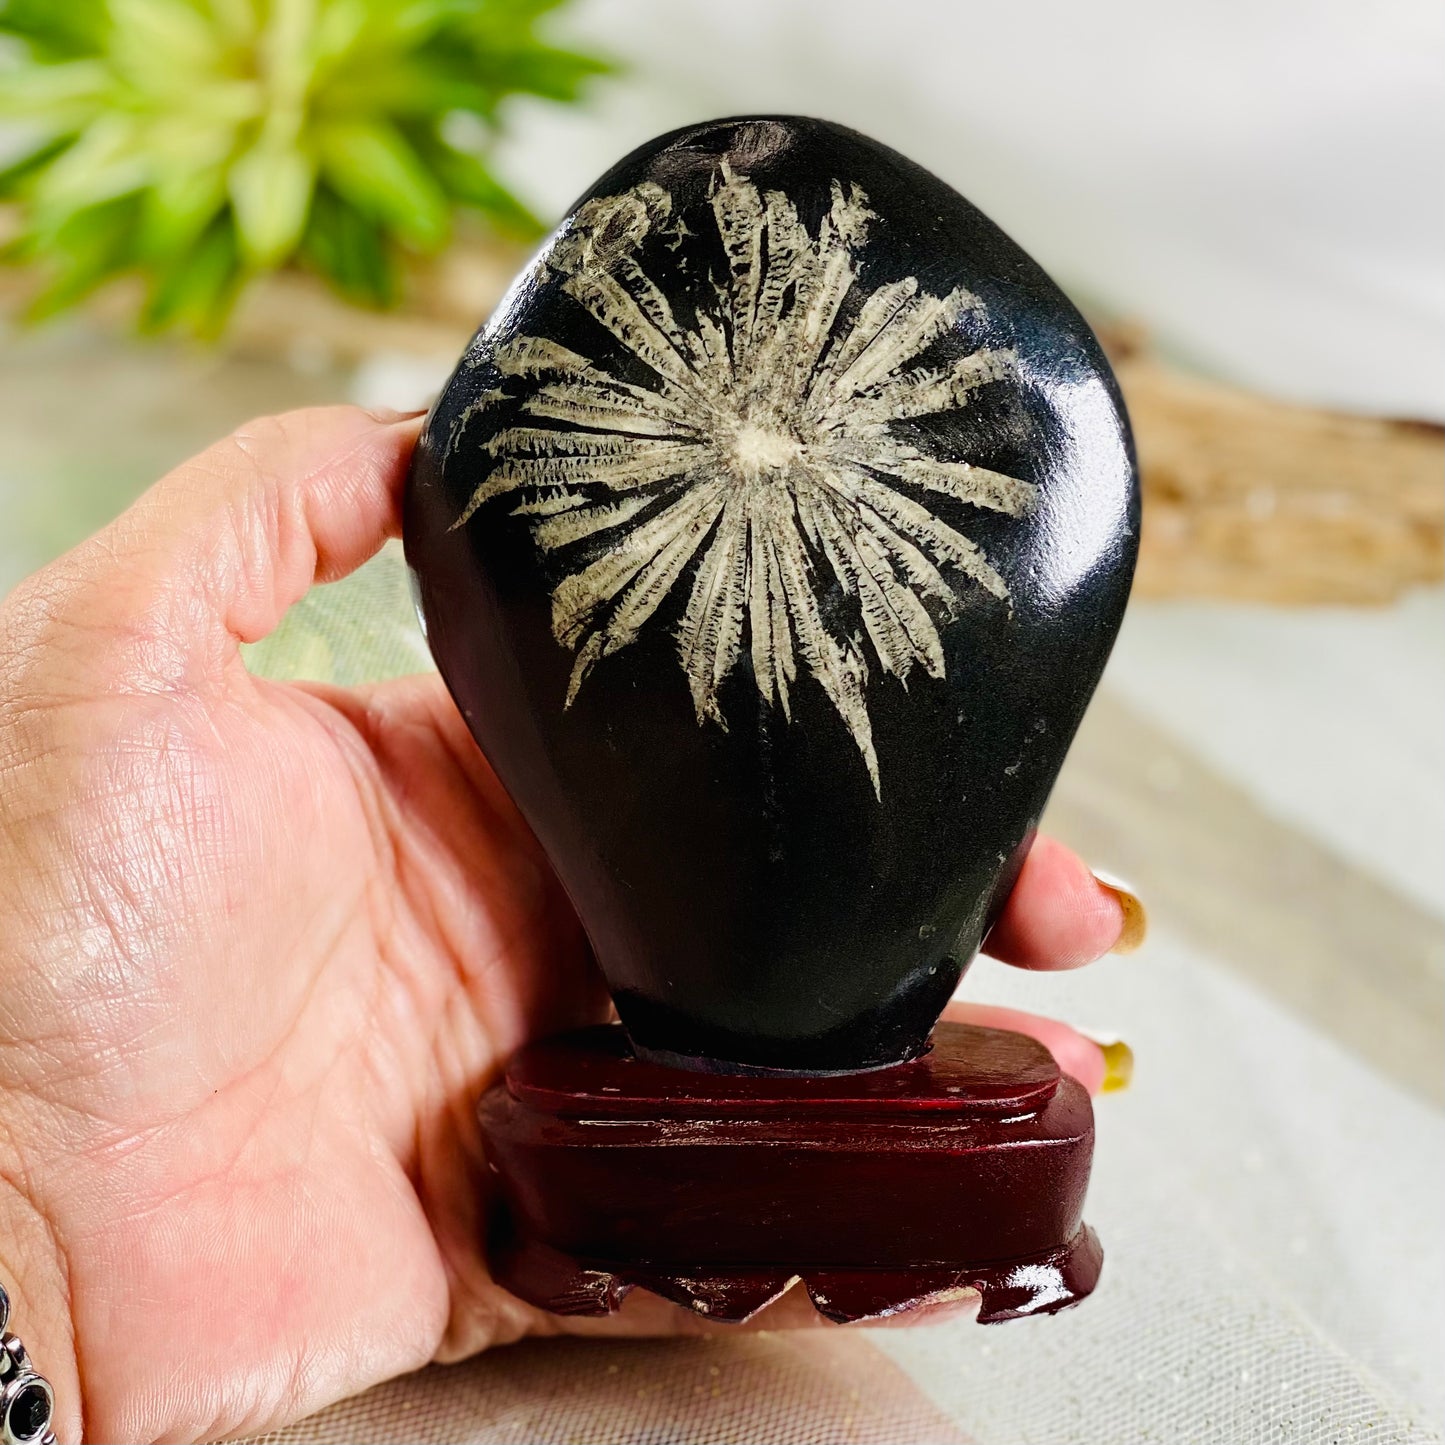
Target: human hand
(262,946)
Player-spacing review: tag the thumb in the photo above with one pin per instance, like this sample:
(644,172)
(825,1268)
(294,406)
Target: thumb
(214,553)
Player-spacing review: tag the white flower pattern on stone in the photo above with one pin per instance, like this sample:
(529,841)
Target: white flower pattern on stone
(762,450)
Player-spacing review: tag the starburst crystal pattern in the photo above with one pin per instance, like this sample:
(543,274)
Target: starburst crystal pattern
(758,468)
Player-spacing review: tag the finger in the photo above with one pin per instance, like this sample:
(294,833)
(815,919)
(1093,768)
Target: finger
(1060,915)
(1099,1067)
(215,552)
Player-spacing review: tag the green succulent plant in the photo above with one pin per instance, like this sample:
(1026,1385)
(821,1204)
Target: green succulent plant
(201,142)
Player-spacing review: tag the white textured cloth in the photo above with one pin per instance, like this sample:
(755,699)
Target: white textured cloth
(1249,178)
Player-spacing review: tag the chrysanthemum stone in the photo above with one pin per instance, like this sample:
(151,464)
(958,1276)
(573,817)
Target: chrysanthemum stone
(772,537)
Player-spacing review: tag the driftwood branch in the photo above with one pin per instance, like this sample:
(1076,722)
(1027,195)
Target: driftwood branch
(1254,499)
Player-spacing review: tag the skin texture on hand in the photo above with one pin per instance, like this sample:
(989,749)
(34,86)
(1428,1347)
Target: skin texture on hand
(262,946)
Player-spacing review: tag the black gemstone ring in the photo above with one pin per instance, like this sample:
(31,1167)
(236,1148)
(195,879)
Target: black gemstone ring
(27,1403)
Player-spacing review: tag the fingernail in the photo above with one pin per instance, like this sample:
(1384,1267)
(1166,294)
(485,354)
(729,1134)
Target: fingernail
(389,416)
(1136,918)
(1118,1061)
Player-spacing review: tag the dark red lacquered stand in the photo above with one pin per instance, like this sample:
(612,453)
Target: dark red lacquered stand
(962,1170)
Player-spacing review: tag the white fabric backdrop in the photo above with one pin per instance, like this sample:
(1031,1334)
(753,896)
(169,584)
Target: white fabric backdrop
(1254,178)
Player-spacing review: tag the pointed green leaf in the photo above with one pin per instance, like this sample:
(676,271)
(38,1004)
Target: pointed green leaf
(350,251)
(92,247)
(270,194)
(163,33)
(178,208)
(20,168)
(340,28)
(60,95)
(106,161)
(57,28)
(371,165)
(189,160)
(469,181)
(197,292)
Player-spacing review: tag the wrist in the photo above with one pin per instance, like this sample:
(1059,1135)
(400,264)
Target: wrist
(33,1272)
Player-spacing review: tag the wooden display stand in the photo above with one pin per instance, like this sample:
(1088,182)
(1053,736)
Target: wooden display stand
(962,1170)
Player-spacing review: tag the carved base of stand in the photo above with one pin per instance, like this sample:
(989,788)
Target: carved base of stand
(568,1286)
(962,1170)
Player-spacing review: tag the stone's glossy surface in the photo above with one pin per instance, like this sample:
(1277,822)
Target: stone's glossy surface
(772,537)
(880,1192)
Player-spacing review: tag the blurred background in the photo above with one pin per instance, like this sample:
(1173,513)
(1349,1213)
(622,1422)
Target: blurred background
(215,208)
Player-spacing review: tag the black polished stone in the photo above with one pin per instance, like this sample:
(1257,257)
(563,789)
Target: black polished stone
(767,887)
